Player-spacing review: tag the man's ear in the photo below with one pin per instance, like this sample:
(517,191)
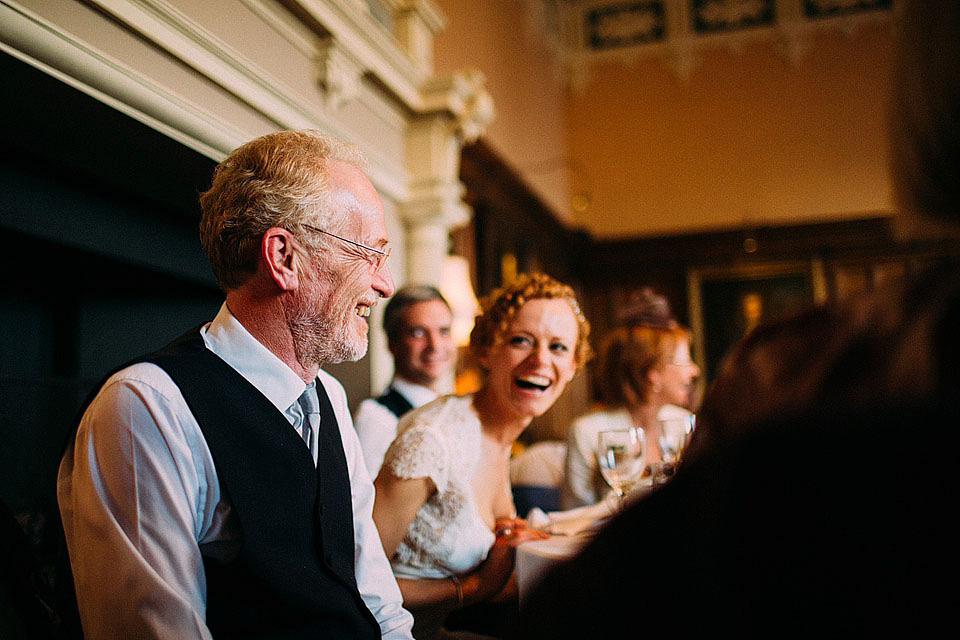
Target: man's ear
(280,257)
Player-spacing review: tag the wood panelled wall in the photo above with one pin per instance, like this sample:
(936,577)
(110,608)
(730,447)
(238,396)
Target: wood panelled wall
(828,261)
(706,277)
(510,220)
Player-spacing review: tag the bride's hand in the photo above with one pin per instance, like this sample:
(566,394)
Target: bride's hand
(494,577)
(516,530)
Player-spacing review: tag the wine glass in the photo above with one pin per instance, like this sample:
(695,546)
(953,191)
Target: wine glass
(674,436)
(620,456)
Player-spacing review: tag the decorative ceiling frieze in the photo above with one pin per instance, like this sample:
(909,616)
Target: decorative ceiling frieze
(680,32)
(713,16)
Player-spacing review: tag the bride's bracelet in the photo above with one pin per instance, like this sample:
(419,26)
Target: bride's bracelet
(456,582)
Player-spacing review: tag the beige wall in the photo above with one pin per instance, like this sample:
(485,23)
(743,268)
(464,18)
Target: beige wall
(749,138)
(523,78)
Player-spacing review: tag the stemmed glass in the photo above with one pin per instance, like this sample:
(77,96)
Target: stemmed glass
(620,456)
(674,436)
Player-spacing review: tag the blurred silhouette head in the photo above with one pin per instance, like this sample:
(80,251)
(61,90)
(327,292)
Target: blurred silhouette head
(925,117)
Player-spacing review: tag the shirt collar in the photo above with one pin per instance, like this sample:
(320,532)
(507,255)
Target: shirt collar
(417,394)
(227,338)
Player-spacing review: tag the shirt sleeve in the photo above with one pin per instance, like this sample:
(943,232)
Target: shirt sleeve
(133,495)
(375,579)
(376,428)
(580,466)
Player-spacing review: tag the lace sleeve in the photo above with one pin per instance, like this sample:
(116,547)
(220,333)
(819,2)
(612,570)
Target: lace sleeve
(417,453)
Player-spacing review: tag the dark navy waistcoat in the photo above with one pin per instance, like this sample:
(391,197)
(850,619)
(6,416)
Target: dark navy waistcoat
(294,574)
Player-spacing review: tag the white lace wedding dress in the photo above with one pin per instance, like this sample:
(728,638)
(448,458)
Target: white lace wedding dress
(441,441)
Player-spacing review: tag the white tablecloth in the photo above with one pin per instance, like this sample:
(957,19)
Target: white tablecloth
(536,556)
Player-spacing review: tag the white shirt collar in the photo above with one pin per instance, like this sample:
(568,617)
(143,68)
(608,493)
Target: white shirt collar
(417,394)
(227,338)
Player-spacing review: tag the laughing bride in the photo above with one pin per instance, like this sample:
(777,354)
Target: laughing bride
(443,508)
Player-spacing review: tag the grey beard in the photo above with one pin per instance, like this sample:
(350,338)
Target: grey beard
(320,341)
(318,337)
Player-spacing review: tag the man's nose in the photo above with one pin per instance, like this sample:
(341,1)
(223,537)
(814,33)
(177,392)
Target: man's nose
(383,282)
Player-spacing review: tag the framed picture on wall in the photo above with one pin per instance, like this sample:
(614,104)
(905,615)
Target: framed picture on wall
(727,303)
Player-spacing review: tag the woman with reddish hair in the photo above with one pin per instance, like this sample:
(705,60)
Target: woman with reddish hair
(645,376)
(444,506)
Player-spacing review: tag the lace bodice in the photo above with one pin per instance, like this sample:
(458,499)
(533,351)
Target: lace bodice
(441,441)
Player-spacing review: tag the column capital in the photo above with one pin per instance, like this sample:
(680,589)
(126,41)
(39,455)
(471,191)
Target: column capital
(462,95)
(435,203)
(339,72)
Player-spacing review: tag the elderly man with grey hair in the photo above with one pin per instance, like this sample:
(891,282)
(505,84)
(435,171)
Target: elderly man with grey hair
(216,488)
(417,323)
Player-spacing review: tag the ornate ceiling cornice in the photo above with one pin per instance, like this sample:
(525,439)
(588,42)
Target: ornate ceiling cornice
(681,32)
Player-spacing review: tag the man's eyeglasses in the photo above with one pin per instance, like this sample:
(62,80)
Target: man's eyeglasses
(379,256)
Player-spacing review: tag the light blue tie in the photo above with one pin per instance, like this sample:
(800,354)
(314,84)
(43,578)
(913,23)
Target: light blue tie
(309,425)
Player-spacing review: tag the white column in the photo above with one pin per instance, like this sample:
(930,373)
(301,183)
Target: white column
(457,110)
(415,22)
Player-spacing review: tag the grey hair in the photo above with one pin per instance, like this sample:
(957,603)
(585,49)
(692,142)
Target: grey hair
(277,180)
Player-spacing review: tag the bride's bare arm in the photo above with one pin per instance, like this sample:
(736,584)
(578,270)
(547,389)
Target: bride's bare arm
(396,505)
(486,582)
